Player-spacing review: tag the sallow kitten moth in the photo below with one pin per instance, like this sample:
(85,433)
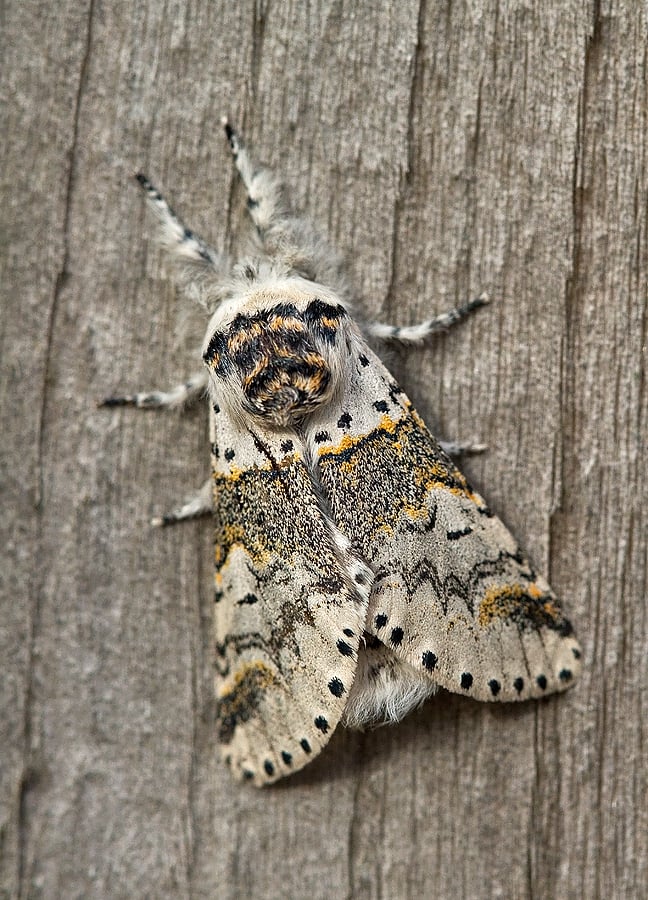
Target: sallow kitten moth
(356,569)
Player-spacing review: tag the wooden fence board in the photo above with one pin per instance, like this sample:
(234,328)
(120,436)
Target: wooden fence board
(447,149)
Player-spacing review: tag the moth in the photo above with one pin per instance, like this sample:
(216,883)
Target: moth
(357,571)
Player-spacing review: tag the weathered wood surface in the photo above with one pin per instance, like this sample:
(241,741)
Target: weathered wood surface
(449,148)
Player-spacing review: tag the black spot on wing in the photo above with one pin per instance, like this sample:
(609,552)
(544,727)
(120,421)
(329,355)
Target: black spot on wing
(495,686)
(466,681)
(321,723)
(344,648)
(455,535)
(381,620)
(429,660)
(566,628)
(396,636)
(336,687)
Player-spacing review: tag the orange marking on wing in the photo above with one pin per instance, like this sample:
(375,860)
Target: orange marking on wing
(502,601)
(428,474)
(235,474)
(349,441)
(256,675)
(233,538)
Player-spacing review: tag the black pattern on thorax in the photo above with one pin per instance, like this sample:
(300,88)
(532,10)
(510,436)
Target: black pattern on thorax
(278,357)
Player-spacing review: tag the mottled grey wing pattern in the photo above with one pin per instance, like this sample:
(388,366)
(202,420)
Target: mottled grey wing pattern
(453,595)
(288,617)
(356,570)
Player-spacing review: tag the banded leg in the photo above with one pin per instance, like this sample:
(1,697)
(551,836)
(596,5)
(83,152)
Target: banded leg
(180,395)
(197,268)
(201,504)
(284,236)
(454,448)
(415,334)
(266,201)
(174,235)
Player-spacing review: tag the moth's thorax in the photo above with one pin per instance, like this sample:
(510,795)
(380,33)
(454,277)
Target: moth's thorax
(277,355)
(264,292)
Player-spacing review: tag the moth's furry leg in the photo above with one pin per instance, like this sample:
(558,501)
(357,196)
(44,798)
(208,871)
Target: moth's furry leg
(197,267)
(415,334)
(174,235)
(201,504)
(265,193)
(181,395)
(285,237)
(454,448)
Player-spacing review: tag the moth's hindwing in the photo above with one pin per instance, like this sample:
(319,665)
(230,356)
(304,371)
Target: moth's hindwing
(453,595)
(288,613)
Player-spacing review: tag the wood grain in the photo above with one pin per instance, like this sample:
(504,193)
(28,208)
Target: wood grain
(448,149)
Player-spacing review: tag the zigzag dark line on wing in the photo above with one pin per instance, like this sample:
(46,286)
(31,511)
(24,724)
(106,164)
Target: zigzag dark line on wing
(425,572)
(277,571)
(281,639)
(250,640)
(422,526)
(528,614)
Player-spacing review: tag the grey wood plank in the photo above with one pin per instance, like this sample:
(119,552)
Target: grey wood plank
(448,149)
